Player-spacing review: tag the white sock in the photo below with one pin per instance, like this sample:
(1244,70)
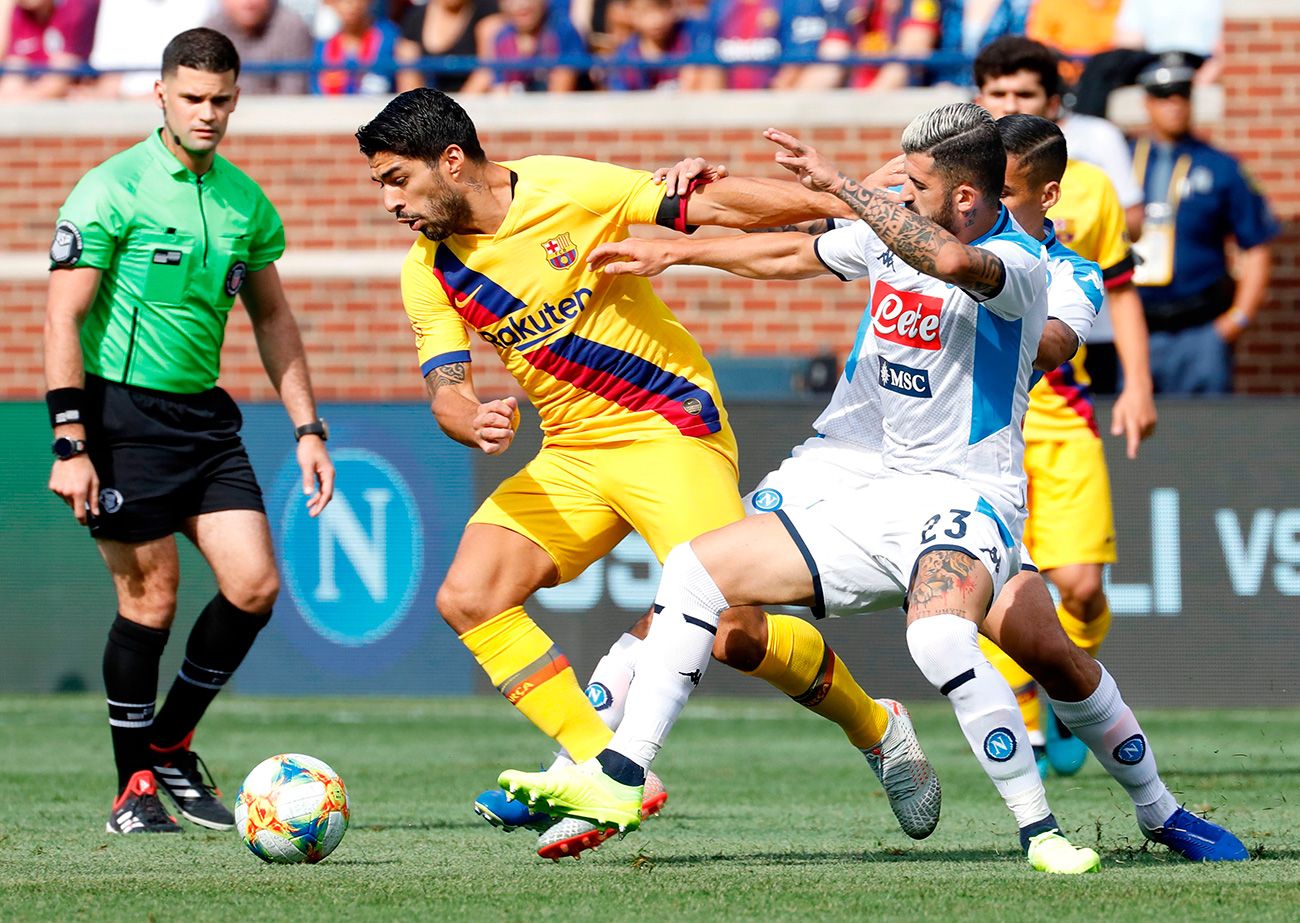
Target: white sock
(607,688)
(1108,727)
(672,659)
(946,648)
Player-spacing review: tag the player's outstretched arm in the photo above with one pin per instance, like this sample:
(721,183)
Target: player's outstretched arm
(789,255)
(489,427)
(747,202)
(924,245)
(280,345)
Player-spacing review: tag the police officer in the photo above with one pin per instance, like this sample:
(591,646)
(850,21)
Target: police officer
(150,250)
(1198,199)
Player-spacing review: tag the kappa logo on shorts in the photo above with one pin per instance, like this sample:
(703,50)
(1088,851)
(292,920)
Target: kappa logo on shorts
(66,248)
(903,379)
(235,278)
(599,697)
(767,499)
(1131,751)
(1000,745)
(110,500)
(909,318)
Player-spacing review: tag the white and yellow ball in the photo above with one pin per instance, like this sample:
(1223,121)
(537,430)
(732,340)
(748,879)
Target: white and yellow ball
(292,808)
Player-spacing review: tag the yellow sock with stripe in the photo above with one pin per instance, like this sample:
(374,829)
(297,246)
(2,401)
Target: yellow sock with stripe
(526,667)
(801,664)
(1087,635)
(1021,683)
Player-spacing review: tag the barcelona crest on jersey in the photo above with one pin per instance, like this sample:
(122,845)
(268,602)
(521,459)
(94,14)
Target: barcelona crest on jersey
(560,252)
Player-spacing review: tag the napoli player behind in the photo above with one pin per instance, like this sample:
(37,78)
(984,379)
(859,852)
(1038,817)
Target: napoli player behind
(958,306)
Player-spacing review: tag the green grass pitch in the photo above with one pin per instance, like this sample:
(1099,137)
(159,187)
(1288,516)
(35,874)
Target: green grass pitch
(771,816)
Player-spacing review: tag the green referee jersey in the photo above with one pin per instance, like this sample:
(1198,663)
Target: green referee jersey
(174,249)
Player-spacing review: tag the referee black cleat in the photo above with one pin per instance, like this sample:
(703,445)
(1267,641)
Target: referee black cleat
(187,781)
(138,810)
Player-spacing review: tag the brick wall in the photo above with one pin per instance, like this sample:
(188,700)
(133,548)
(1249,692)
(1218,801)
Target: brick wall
(358,343)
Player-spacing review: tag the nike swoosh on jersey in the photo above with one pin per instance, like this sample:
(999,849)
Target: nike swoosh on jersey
(460,303)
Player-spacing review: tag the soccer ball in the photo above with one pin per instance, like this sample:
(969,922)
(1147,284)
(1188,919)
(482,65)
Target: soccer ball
(292,808)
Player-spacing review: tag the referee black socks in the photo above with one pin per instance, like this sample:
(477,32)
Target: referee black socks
(217,645)
(131,684)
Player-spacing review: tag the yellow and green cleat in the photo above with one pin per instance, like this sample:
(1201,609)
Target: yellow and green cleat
(581,790)
(1052,853)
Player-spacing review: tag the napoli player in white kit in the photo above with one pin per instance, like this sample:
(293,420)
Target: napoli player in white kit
(845,457)
(958,305)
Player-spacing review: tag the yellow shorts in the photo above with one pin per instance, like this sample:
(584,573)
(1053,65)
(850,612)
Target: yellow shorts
(1070,519)
(578,503)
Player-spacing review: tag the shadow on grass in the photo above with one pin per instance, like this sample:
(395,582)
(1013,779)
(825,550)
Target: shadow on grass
(426,825)
(333,862)
(791,857)
(1262,772)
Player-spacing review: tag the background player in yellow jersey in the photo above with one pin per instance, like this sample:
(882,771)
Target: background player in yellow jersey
(635,435)
(1070,533)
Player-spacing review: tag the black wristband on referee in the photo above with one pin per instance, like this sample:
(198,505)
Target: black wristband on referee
(66,405)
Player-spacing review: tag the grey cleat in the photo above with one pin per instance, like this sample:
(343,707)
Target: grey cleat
(905,774)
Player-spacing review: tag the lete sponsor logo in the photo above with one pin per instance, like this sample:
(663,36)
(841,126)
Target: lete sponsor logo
(909,318)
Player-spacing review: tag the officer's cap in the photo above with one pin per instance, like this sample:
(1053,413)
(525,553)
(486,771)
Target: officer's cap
(1170,74)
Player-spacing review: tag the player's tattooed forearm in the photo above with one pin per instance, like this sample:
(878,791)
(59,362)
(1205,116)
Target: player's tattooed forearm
(939,575)
(451,374)
(919,241)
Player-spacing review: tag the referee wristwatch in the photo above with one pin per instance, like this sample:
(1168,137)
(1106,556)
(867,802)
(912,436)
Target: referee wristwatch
(314,428)
(66,447)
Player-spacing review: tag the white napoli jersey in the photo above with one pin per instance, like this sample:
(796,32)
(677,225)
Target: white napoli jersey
(937,380)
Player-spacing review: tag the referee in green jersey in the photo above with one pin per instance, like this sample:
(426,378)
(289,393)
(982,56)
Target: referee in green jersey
(151,248)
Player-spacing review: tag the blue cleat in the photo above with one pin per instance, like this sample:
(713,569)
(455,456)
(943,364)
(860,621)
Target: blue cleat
(500,810)
(1065,753)
(1197,839)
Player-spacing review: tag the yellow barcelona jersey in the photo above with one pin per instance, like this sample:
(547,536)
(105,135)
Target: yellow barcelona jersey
(1090,221)
(601,357)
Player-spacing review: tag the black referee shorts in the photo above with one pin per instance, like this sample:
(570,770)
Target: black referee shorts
(163,458)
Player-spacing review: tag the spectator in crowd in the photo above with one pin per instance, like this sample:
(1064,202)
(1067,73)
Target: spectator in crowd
(47,33)
(1199,201)
(266,31)
(133,34)
(966,26)
(882,27)
(660,32)
(606,24)
(759,30)
(456,28)
(1161,26)
(6,15)
(531,30)
(1076,28)
(363,45)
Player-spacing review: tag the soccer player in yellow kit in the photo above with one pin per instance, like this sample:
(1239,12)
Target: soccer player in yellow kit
(635,435)
(1070,533)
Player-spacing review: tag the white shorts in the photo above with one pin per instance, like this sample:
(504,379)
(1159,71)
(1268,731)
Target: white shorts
(861,531)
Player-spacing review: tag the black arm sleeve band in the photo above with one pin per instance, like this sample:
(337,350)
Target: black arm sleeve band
(66,405)
(672,210)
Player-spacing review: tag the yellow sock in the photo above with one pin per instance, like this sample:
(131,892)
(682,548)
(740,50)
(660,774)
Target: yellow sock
(803,666)
(1087,635)
(525,666)
(1021,683)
